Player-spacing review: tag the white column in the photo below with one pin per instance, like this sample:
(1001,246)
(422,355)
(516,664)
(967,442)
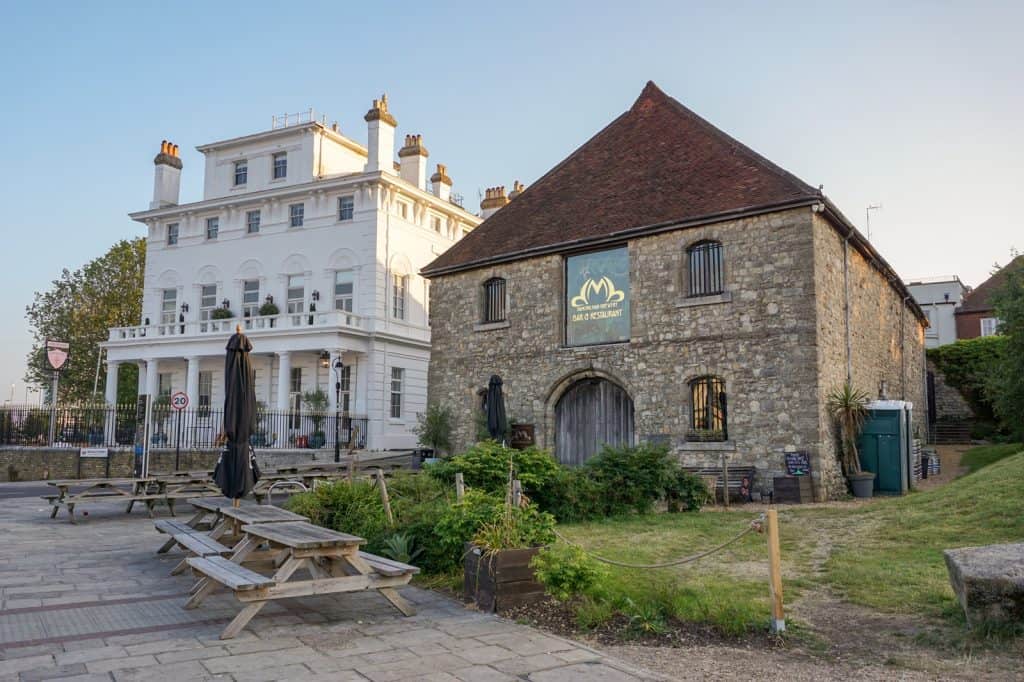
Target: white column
(361,376)
(284,375)
(142,377)
(192,380)
(110,394)
(152,377)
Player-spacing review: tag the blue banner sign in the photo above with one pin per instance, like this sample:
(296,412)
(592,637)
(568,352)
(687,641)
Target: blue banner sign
(597,297)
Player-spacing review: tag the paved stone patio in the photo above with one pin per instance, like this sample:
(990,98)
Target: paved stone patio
(95,602)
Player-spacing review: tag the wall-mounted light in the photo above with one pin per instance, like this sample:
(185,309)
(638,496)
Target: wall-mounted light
(882,390)
(316,295)
(325,359)
(225,304)
(184,308)
(268,299)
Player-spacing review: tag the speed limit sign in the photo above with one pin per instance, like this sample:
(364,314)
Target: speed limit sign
(179,400)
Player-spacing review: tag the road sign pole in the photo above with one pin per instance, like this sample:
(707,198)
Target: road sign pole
(53,407)
(177,445)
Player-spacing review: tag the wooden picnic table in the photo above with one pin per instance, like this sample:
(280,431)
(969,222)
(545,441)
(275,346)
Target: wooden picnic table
(331,559)
(131,490)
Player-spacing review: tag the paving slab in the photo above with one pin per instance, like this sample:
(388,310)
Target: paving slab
(95,602)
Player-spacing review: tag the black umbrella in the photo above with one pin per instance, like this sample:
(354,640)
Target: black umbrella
(236,472)
(497,424)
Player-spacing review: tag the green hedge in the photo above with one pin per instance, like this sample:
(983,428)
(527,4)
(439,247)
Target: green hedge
(967,366)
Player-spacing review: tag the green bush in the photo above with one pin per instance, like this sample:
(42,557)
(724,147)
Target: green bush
(567,572)
(417,501)
(353,508)
(632,478)
(968,365)
(685,491)
(572,495)
(485,466)
(458,523)
(516,528)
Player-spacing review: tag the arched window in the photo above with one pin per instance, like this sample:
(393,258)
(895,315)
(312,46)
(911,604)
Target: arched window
(705,269)
(494,300)
(709,417)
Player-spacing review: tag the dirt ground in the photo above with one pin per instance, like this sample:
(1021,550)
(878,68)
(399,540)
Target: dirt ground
(833,639)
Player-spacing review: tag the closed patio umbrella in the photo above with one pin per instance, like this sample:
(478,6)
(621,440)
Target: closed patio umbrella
(236,473)
(497,424)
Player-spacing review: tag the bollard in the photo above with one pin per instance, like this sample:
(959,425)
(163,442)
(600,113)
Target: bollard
(778,622)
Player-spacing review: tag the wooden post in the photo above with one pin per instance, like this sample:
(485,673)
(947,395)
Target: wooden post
(778,622)
(384,497)
(725,481)
(517,493)
(460,487)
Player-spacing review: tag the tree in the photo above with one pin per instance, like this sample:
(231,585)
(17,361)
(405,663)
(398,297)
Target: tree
(1006,385)
(79,308)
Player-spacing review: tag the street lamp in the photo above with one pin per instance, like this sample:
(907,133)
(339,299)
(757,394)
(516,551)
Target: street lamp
(338,366)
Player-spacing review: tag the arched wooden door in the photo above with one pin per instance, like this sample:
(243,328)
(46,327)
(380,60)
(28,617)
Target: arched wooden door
(592,413)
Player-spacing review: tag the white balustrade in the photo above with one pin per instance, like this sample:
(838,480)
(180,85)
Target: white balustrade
(256,324)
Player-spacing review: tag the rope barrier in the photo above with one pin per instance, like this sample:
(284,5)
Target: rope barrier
(755,526)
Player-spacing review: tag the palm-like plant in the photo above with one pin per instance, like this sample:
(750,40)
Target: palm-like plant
(848,406)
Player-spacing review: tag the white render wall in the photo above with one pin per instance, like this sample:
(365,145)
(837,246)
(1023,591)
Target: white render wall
(939,299)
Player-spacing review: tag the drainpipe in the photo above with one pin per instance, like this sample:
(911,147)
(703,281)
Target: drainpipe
(846,306)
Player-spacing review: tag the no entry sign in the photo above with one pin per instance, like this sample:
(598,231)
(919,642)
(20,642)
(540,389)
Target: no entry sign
(179,400)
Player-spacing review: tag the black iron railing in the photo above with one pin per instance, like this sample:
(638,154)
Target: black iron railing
(196,428)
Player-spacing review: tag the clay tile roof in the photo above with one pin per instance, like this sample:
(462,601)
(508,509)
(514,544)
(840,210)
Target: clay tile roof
(657,163)
(979,299)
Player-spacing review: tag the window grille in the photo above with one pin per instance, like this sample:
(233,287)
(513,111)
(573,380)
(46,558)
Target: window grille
(705,269)
(494,300)
(708,409)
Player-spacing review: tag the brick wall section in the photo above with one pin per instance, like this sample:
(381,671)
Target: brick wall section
(762,342)
(880,351)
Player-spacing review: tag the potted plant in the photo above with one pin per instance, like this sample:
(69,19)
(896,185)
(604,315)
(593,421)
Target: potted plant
(434,429)
(221,314)
(316,402)
(269,309)
(848,406)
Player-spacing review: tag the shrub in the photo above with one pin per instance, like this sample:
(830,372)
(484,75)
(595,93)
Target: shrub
(221,314)
(516,528)
(434,428)
(353,508)
(968,365)
(417,502)
(572,495)
(632,478)
(458,523)
(685,492)
(567,572)
(485,466)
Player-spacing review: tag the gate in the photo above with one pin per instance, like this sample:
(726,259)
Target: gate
(590,414)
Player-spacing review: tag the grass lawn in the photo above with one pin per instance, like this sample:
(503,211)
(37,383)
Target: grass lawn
(978,457)
(886,555)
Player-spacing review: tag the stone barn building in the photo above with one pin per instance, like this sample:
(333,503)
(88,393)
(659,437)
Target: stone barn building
(665,283)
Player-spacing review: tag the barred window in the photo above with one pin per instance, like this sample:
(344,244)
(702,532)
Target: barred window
(705,269)
(709,417)
(494,300)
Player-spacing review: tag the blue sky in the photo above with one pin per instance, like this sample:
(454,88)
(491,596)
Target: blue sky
(917,107)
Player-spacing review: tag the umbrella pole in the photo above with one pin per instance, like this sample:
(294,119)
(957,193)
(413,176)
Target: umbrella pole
(236,502)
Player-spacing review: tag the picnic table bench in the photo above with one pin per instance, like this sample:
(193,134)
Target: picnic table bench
(736,476)
(332,559)
(129,490)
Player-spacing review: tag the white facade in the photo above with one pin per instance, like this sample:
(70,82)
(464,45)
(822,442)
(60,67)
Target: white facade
(939,297)
(294,216)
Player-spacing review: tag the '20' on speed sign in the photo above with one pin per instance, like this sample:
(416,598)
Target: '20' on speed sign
(179,400)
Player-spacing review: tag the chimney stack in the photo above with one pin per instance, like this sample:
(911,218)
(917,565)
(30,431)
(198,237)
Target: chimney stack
(381,137)
(494,199)
(413,159)
(517,189)
(167,176)
(441,184)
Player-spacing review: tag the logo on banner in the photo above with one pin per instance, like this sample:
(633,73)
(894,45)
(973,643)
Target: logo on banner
(602,291)
(597,297)
(57,354)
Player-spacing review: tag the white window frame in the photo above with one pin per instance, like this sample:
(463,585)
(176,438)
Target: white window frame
(252,221)
(436,224)
(212,227)
(207,304)
(989,326)
(346,207)
(205,398)
(173,231)
(346,389)
(169,313)
(296,305)
(347,300)
(399,294)
(296,214)
(241,170)
(397,385)
(279,171)
(250,298)
(164,382)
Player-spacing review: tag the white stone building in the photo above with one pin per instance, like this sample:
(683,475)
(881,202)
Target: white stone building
(938,298)
(332,233)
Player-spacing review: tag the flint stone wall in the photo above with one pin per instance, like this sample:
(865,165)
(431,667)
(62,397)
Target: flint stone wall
(761,337)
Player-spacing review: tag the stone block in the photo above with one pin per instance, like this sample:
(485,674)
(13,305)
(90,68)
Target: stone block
(989,582)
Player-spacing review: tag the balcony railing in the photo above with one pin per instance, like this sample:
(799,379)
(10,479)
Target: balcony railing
(285,321)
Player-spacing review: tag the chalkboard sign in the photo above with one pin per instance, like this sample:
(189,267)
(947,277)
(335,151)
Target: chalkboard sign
(798,463)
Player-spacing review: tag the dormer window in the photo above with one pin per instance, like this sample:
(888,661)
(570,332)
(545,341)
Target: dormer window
(280,165)
(241,172)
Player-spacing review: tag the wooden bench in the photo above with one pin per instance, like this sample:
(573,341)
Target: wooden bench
(736,476)
(234,576)
(388,567)
(198,545)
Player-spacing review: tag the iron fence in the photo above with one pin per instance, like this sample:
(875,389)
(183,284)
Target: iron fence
(196,428)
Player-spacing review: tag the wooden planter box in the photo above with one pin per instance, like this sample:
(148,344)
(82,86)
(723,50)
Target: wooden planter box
(499,580)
